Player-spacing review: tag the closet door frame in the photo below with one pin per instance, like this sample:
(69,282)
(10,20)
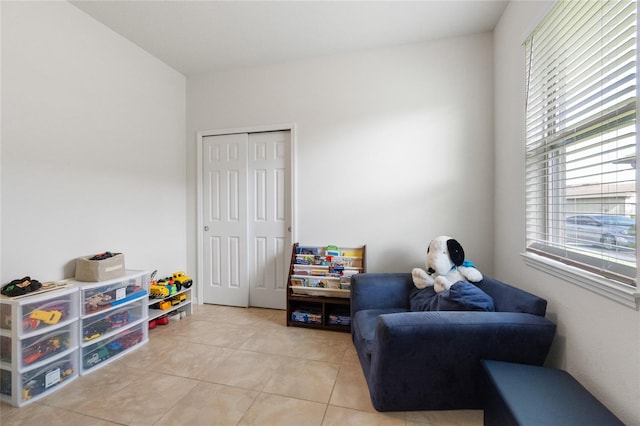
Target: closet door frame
(199,188)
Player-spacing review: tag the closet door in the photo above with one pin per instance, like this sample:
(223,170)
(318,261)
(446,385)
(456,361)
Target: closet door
(246,218)
(269,206)
(224,202)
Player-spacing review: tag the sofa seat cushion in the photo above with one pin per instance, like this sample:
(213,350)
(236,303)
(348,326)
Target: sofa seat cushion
(363,327)
(462,296)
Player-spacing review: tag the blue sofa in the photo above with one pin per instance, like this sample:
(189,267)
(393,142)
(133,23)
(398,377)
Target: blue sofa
(431,360)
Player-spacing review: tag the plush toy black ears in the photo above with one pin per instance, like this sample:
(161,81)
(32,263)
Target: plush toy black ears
(456,253)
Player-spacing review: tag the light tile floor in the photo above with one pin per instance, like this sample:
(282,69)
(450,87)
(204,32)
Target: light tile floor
(227,366)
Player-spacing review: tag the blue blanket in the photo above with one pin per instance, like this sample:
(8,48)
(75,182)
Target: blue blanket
(462,296)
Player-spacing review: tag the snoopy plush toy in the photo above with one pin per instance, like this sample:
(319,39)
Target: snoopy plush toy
(445,266)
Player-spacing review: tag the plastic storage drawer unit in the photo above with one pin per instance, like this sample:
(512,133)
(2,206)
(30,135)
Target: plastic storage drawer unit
(38,344)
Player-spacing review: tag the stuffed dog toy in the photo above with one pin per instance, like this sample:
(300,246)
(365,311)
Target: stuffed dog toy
(445,266)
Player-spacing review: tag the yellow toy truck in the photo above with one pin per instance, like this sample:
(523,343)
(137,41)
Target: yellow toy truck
(158,291)
(183,279)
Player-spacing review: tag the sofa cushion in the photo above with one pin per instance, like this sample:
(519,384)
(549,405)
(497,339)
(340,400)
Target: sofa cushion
(364,327)
(462,296)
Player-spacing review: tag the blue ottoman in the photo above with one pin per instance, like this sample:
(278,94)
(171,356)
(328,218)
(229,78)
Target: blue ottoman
(518,394)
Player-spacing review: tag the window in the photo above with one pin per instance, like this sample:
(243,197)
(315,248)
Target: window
(581,138)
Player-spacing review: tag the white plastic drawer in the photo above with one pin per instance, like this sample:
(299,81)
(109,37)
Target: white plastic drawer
(39,380)
(97,298)
(44,346)
(105,350)
(100,325)
(39,312)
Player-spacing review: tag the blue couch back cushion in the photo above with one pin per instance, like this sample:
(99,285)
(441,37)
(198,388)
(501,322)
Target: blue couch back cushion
(462,296)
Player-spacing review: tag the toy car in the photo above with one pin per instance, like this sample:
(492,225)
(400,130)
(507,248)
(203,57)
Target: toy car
(48,317)
(115,347)
(130,339)
(97,301)
(119,319)
(179,298)
(29,324)
(182,278)
(96,357)
(44,347)
(96,329)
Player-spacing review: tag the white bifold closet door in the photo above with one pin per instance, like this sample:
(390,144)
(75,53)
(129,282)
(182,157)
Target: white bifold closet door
(246,218)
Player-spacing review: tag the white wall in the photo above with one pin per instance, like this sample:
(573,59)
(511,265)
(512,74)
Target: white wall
(598,341)
(394,146)
(93,154)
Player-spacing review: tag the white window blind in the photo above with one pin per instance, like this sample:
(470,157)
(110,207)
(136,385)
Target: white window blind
(581,137)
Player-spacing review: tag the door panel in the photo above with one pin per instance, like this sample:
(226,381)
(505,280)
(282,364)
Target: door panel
(269,206)
(225,220)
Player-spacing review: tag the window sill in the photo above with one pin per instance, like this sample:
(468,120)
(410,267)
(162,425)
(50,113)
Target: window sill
(620,293)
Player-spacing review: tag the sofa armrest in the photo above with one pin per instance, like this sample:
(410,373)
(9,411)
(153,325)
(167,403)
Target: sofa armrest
(380,290)
(429,352)
(507,298)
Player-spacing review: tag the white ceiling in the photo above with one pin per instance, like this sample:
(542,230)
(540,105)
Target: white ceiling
(203,36)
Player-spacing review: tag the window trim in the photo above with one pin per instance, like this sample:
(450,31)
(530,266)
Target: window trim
(625,295)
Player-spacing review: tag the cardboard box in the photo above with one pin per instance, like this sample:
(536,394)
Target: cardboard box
(100,270)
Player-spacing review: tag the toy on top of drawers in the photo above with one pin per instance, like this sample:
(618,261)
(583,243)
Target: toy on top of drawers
(21,287)
(100,267)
